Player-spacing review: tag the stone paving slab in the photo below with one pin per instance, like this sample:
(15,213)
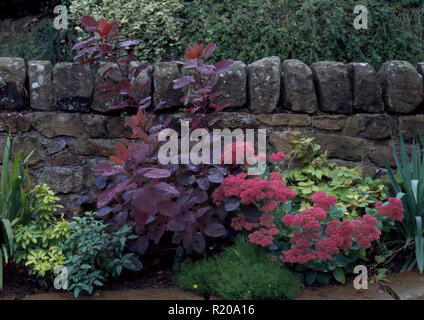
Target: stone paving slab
(344,292)
(407,285)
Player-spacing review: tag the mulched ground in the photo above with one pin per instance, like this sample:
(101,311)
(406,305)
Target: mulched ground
(18,284)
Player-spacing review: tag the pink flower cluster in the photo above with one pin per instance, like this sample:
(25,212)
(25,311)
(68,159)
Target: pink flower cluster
(255,189)
(279,156)
(313,243)
(323,201)
(264,235)
(394,209)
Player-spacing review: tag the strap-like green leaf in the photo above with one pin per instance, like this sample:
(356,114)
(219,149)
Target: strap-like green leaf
(419,244)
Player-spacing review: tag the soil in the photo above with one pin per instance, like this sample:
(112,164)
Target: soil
(18,284)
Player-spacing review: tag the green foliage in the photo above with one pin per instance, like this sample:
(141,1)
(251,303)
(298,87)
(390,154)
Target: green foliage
(409,180)
(93,254)
(317,173)
(45,43)
(156,24)
(242,271)
(248,30)
(38,242)
(309,30)
(322,271)
(15,200)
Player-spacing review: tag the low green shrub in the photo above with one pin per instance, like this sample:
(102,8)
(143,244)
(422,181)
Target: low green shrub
(93,254)
(156,24)
(242,271)
(38,242)
(248,30)
(309,30)
(44,43)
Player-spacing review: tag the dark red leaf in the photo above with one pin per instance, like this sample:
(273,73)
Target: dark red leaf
(215,230)
(166,207)
(110,193)
(127,43)
(223,65)
(183,81)
(157,174)
(121,151)
(210,48)
(89,23)
(176,225)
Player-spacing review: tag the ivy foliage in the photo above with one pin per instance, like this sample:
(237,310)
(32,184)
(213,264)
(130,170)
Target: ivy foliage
(309,30)
(248,30)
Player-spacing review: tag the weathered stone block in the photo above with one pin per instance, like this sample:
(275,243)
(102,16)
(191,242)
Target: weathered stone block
(411,126)
(386,150)
(28,144)
(329,122)
(55,145)
(233,84)
(273,120)
(13,70)
(370,126)
(342,147)
(93,147)
(333,87)
(13,95)
(145,75)
(116,128)
(62,180)
(101,103)
(15,122)
(264,85)
(72,86)
(299,120)
(283,140)
(41,85)
(94,125)
(402,86)
(52,124)
(61,159)
(297,87)
(367,93)
(163,75)
(236,120)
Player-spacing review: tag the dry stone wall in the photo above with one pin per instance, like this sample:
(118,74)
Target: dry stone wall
(350,109)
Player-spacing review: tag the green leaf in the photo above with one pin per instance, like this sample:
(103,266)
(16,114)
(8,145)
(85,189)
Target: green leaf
(419,245)
(310,278)
(339,275)
(323,279)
